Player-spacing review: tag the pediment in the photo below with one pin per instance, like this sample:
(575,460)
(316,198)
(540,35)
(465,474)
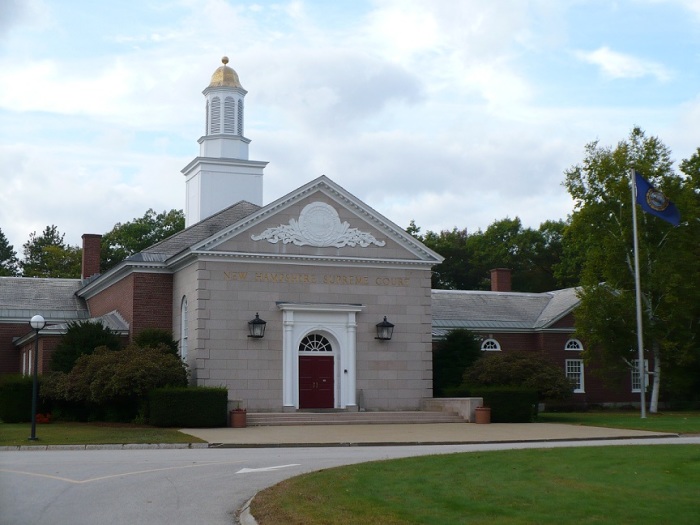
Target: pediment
(319,220)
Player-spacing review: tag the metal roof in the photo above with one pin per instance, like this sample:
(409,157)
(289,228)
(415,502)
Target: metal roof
(54,299)
(482,310)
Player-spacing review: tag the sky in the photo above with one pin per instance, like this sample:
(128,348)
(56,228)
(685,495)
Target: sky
(451,113)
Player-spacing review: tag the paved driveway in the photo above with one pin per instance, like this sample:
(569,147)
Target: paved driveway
(173,486)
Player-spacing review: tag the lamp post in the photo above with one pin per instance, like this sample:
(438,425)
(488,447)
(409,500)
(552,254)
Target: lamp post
(37,323)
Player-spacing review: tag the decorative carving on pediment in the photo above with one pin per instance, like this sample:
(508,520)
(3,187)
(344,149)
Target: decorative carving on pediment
(318,225)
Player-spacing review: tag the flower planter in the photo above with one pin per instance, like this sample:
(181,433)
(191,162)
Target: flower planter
(238,418)
(483,415)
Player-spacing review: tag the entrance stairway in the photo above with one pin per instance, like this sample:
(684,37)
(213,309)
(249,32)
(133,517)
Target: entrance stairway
(349,418)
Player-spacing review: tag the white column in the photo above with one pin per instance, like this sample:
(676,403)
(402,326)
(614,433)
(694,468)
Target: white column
(289,372)
(350,363)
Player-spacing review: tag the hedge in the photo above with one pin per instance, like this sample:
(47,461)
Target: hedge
(188,407)
(16,398)
(509,404)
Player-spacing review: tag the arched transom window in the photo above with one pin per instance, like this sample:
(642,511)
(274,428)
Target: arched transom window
(315,343)
(573,344)
(490,345)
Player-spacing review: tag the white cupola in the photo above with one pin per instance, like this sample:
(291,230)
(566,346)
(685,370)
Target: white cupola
(222,174)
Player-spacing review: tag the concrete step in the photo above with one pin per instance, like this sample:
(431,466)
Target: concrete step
(349,418)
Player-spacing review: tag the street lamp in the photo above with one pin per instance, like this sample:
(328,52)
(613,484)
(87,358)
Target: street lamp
(37,323)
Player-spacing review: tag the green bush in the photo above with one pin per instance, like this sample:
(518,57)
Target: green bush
(509,404)
(15,398)
(522,369)
(81,338)
(153,337)
(451,357)
(113,385)
(188,407)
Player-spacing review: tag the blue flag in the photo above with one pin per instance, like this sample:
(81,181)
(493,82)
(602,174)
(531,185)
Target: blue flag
(655,202)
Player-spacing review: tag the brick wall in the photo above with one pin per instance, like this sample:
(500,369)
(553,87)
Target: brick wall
(9,355)
(144,300)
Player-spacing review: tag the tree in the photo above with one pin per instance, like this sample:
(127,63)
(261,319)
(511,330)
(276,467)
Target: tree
(132,237)
(520,369)
(532,255)
(9,265)
(600,242)
(81,338)
(47,255)
(451,358)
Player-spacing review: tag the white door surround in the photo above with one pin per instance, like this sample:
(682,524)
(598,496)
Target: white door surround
(337,323)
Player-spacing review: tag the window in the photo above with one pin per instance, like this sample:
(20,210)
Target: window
(24,363)
(490,345)
(636,382)
(215,115)
(240,117)
(315,343)
(573,344)
(574,371)
(229,115)
(183,329)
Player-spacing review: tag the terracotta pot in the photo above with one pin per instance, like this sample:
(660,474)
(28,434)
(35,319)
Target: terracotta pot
(483,415)
(238,418)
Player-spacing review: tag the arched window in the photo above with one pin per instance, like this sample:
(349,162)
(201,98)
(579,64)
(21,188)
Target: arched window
(215,115)
(183,329)
(240,117)
(229,115)
(573,344)
(490,345)
(315,343)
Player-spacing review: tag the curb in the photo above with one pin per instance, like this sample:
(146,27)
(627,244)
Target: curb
(115,446)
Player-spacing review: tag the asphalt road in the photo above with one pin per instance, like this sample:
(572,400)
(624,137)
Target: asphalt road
(188,486)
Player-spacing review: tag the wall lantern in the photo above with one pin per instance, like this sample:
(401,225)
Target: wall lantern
(256,327)
(385,330)
(37,323)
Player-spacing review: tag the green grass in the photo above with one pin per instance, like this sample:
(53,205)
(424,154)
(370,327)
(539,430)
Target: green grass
(592,485)
(677,422)
(89,433)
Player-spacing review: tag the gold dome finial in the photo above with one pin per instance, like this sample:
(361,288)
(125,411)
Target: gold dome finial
(225,76)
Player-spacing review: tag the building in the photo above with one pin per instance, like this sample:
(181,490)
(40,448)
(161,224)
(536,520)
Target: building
(322,269)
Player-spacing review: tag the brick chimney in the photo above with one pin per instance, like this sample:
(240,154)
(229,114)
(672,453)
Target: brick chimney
(500,280)
(91,254)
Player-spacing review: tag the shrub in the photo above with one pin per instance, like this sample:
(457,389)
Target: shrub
(81,338)
(451,357)
(114,385)
(188,407)
(531,371)
(152,337)
(509,404)
(15,398)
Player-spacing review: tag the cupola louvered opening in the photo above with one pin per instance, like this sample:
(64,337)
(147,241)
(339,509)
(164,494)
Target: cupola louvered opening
(229,115)
(240,117)
(215,115)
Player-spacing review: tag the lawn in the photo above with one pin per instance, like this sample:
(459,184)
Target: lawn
(677,422)
(591,485)
(89,433)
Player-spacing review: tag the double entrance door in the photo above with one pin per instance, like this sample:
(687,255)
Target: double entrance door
(316,385)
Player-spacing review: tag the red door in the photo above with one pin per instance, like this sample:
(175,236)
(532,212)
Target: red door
(316,382)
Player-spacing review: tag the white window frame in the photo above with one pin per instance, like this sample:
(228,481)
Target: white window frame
(635,378)
(184,329)
(490,345)
(573,345)
(574,370)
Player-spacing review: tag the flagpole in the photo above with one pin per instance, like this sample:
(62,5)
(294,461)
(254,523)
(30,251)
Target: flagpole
(638,297)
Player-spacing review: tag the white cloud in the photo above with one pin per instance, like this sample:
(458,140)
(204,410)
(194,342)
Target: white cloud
(620,65)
